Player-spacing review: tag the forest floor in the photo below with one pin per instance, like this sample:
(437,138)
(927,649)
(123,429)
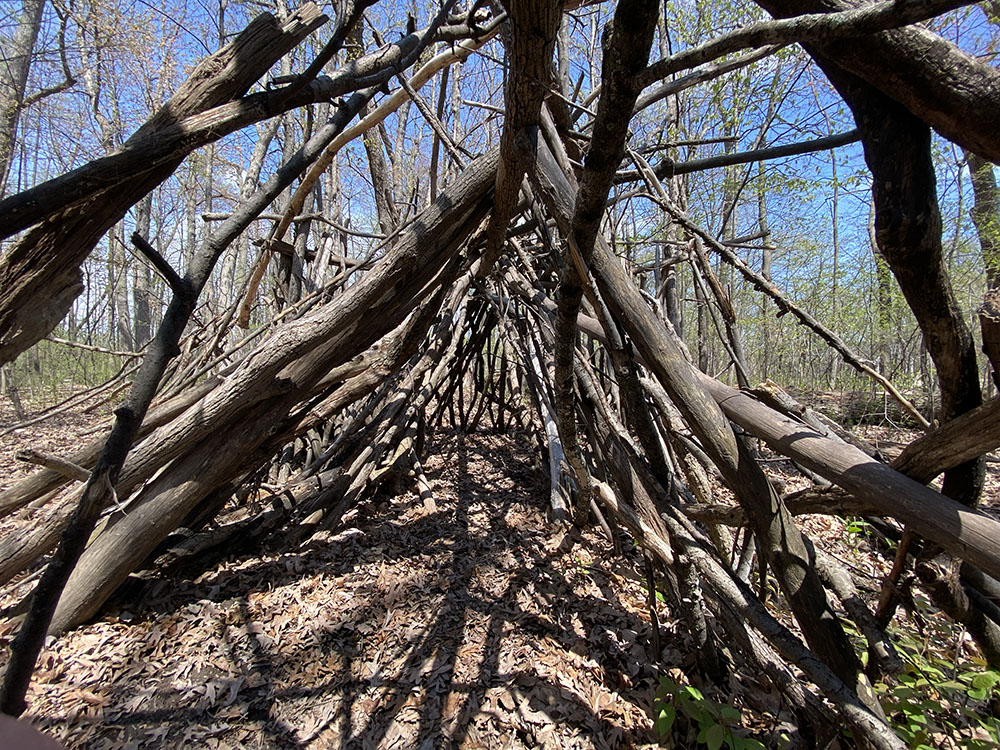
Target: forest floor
(468,621)
(471,621)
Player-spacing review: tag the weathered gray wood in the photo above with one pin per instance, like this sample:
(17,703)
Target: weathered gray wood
(625,46)
(39,275)
(958,440)
(533,27)
(787,549)
(151,147)
(238,416)
(965,532)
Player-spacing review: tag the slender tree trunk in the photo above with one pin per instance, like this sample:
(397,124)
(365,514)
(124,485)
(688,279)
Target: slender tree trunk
(14,70)
(986,218)
(119,267)
(835,286)
(9,389)
(668,289)
(883,296)
(141,280)
(704,347)
(766,361)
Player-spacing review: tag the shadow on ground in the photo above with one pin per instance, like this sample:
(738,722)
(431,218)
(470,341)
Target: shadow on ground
(470,622)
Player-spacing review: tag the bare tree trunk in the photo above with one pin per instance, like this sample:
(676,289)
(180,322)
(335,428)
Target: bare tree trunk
(533,35)
(14,78)
(9,389)
(119,266)
(986,218)
(388,216)
(141,280)
(883,296)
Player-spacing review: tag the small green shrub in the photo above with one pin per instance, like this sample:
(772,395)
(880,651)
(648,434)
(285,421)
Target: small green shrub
(943,693)
(683,710)
(925,705)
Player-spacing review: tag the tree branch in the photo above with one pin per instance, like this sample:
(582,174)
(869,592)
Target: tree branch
(814,27)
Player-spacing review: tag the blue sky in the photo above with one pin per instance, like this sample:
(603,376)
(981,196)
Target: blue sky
(148,48)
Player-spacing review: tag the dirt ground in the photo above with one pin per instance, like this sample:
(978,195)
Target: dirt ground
(467,622)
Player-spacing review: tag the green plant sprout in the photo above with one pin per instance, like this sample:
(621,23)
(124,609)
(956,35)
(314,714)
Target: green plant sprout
(716,723)
(943,693)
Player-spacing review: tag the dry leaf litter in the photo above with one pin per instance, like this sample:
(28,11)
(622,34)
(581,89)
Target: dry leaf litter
(470,621)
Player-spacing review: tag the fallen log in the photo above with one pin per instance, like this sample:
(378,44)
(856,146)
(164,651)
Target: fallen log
(963,531)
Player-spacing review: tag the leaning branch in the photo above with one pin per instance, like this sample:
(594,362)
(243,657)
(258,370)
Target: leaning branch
(100,488)
(152,147)
(457,53)
(68,469)
(161,139)
(813,27)
(964,438)
(626,44)
(668,168)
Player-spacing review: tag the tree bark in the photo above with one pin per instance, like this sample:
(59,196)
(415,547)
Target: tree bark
(533,29)
(953,92)
(986,218)
(14,80)
(788,552)
(625,44)
(964,531)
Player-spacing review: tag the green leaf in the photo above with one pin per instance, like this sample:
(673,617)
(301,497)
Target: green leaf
(665,721)
(985,681)
(950,685)
(694,693)
(730,714)
(714,736)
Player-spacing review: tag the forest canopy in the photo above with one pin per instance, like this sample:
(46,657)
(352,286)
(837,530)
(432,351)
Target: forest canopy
(287,242)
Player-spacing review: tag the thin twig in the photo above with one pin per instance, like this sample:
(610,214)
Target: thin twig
(66,468)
